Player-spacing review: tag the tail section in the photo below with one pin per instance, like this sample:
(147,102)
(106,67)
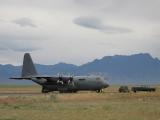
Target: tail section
(28,66)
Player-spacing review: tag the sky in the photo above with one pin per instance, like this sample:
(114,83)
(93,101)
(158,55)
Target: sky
(77,31)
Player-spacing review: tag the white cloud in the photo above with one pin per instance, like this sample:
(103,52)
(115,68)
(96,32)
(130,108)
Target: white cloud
(23,22)
(95,23)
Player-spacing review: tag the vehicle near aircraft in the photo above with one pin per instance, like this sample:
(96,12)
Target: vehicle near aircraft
(143,88)
(60,83)
(124,89)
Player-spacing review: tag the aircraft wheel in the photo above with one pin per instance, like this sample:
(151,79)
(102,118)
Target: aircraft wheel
(74,91)
(99,91)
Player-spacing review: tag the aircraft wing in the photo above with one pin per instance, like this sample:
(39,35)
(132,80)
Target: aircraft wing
(46,77)
(35,76)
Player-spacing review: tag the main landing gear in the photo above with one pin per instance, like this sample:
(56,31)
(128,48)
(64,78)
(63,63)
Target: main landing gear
(44,90)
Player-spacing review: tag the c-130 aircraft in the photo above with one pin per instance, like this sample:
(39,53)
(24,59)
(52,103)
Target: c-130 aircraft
(60,83)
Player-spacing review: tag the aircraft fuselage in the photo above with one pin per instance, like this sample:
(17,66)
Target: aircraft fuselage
(77,83)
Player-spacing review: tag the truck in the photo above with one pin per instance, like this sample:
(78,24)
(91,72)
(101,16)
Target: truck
(143,88)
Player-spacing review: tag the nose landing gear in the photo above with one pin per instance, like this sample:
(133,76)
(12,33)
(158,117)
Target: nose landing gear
(99,90)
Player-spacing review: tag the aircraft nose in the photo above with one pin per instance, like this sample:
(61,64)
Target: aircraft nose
(105,84)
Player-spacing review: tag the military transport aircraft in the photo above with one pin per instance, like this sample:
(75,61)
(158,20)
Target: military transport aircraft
(60,83)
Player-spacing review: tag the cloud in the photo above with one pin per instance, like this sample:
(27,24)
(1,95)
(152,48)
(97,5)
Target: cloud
(2,48)
(26,49)
(18,47)
(20,36)
(92,23)
(12,42)
(95,23)
(24,22)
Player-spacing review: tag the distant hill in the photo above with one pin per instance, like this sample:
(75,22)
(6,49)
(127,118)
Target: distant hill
(120,69)
(137,69)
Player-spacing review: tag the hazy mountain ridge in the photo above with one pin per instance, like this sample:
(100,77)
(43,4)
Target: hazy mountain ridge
(137,68)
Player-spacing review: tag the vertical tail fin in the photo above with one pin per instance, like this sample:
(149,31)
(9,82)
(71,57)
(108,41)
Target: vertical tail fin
(28,66)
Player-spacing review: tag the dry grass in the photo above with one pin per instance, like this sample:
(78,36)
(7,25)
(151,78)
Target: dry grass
(20,89)
(110,105)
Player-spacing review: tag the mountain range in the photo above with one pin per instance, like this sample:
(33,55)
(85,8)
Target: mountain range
(119,69)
